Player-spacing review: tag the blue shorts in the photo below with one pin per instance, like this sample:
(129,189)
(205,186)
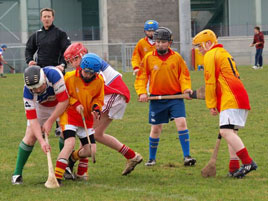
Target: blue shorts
(161,111)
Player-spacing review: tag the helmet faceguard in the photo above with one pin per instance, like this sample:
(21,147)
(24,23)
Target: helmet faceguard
(34,77)
(73,51)
(163,33)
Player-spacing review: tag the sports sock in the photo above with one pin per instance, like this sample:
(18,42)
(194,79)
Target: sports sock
(23,155)
(61,143)
(61,165)
(244,157)
(82,166)
(127,152)
(153,144)
(75,155)
(234,165)
(185,142)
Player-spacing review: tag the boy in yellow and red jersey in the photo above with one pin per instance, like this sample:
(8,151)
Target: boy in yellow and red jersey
(144,45)
(167,74)
(226,94)
(86,89)
(116,97)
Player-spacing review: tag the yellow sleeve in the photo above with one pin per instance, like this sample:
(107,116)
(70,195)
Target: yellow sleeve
(67,80)
(99,97)
(136,57)
(141,81)
(210,80)
(185,79)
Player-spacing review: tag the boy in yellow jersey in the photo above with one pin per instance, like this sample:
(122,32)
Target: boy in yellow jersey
(167,74)
(144,45)
(226,95)
(116,97)
(86,90)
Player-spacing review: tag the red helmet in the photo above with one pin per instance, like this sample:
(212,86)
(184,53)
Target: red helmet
(74,50)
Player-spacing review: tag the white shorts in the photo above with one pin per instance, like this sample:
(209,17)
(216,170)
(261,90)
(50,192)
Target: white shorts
(115,104)
(43,113)
(80,131)
(236,117)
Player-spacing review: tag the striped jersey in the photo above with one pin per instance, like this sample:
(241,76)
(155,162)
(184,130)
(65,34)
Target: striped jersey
(167,74)
(224,89)
(54,93)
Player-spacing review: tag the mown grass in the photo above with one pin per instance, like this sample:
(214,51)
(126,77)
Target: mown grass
(169,179)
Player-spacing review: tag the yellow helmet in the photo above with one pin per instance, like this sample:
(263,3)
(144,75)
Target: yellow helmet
(204,36)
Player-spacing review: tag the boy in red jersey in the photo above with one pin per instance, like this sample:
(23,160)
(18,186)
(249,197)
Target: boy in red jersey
(144,45)
(226,94)
(167,74)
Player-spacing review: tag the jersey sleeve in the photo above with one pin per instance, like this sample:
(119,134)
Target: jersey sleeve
(210,81)
(29,104)
(72,101)
(185,79)
(136,57)
(65,43)
(142,77)
(57,80)
(99,97)
(31,48)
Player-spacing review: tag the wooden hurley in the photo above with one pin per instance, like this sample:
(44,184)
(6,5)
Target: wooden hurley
(85,126)
(197,94)
(210,169)
(51,180)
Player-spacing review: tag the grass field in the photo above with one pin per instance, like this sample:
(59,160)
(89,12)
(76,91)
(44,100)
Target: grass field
(169,179)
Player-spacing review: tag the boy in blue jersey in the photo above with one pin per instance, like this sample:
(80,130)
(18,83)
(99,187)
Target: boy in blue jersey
(45,99)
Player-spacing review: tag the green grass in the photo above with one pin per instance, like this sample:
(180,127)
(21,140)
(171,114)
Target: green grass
(169,179)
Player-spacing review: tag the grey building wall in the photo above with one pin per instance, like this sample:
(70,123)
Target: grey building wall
(126,18)
(242,17)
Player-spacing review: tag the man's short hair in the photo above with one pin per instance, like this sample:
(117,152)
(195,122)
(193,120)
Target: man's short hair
(47,9)
(257,28)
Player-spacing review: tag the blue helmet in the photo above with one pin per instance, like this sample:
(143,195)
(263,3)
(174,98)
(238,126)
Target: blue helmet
(150,25)
(91,63)
(3,46)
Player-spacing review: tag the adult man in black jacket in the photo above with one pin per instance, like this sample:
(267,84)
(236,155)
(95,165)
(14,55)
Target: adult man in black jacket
(49,43)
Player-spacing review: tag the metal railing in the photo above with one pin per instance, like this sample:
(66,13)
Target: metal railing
(119,55)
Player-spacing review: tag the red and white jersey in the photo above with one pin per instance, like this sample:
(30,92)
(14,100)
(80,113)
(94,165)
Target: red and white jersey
(114,83)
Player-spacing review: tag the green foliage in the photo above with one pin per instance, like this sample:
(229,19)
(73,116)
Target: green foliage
(169,179)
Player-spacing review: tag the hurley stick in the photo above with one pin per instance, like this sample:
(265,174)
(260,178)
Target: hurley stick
(197,94)
(210,169)
(51,180)
(85,126)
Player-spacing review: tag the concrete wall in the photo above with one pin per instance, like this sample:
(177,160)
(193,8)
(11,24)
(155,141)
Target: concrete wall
(126,18)
(240,50)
